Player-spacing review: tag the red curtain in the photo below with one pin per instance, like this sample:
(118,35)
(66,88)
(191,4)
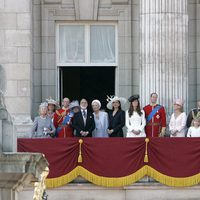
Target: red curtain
(169,159)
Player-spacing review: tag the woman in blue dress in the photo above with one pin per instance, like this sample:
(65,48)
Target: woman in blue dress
(101,120)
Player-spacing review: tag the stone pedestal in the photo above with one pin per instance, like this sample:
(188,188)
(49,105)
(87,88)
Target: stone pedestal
(164,50)
(18,170)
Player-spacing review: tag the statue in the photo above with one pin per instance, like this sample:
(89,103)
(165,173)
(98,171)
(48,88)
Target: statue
(8,140)
(40,187)
(3,111)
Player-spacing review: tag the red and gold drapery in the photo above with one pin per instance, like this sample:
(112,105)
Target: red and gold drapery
(114,162)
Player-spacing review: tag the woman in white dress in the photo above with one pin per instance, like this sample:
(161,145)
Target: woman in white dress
(177,124)
(135,118)
(101,120)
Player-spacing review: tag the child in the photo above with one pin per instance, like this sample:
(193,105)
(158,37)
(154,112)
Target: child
(194,130)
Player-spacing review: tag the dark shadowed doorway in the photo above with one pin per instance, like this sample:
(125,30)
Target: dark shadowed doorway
(87,82)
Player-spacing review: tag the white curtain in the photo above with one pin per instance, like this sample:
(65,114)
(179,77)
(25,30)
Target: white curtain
(102,44)
(71,44)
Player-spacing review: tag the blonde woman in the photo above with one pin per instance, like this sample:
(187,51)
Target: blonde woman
(177,124)
(100,119)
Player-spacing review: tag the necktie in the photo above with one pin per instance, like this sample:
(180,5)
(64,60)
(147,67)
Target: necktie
(84,117)
(84,114)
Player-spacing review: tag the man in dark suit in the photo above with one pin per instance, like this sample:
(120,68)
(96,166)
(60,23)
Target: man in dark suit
(83,121)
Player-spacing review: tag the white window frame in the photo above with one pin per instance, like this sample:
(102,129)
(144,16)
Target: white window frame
(87,45)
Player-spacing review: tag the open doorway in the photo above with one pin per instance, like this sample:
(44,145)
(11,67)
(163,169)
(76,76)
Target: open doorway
(87,82)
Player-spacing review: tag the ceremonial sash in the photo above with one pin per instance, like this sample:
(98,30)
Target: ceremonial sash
(153,112)
(65,122)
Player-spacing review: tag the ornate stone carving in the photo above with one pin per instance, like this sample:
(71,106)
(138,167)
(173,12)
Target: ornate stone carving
(7,132)
(3,111)
(2,86)
(40,187)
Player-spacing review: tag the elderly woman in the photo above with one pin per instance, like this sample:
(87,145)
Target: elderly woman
(116,116)
(43,126)
(100,119)
(135,118)
(177,124)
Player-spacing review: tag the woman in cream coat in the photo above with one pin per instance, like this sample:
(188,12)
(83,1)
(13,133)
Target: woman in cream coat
(135,118)
(177,124)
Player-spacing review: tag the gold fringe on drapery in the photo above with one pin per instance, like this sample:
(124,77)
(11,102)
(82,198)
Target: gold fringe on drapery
(122,181)
(62,180)
(98,180)
(173,181)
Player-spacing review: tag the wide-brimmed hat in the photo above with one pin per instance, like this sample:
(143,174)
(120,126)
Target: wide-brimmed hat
(179,102)
(51,101)
(122,101)
(133,97)
(74,104)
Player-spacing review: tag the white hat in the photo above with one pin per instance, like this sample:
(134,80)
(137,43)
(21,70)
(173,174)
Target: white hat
(122,101)
(51,101)
(74,104)
(43,104)
(96,101)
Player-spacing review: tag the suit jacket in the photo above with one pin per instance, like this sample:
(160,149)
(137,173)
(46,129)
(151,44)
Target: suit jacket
(194,112)
(116,123)
(78,124)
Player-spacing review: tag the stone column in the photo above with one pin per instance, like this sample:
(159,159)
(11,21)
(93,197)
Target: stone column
(164,50)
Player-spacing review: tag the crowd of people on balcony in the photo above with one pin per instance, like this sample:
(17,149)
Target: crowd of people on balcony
(76,120)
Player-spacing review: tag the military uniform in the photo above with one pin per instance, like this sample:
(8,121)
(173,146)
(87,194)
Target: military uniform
(63,130)
(158,121)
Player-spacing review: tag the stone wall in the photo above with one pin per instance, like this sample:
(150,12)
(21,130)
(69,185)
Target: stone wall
(46,14)
(148,191)
(28,49)
(15,56)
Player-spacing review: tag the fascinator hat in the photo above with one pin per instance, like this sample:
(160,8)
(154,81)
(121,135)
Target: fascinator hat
(133,97)
(112,99)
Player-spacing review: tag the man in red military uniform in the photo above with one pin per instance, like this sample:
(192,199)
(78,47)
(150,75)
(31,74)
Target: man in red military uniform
(62,120)
(155,117)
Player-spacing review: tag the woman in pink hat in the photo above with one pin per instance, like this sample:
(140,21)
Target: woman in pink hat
(177,124)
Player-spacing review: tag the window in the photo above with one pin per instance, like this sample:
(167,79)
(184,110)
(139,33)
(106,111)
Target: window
(71,44)
(86,44)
